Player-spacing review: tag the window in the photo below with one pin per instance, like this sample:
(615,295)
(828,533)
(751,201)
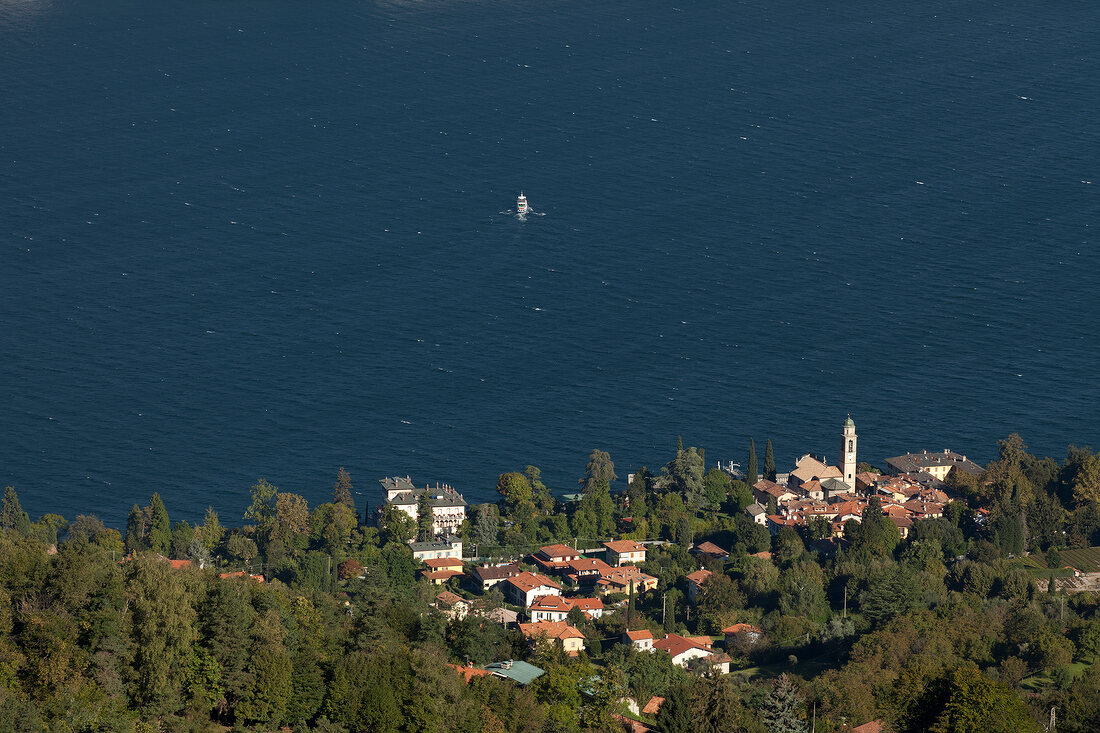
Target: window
(851,444)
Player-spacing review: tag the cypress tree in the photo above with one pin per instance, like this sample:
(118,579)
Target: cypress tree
(341,490)
(12,515)
(769,461)
(751,474)
(160,528)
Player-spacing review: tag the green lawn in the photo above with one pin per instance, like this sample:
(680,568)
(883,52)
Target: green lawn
(1041,681)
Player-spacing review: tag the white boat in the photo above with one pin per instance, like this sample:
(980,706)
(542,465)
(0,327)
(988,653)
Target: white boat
(521,204)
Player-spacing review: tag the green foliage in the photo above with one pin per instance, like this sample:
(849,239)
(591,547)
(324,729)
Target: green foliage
(970,701)
(162,623)
(262,509)
(160,531)
(12,515)
(783,709)
(751,470)
(598,469)
(716,487)
(685,474)
(395,525)
(769,461)
(342,490)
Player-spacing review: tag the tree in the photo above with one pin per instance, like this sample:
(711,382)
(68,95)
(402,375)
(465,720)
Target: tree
(970,701)
(686,474)
(396,525)
(163,627)
(425,519)
(137,527)
(716,487)
(751,473)
(487,525)
(262,509)
(540,494)
(769,461)
(160,528)
(291,523)
(516,490)
(12,515)
(341,490)
(1086,482)
(675,715)
(211,532)
(783,708)
(599,468)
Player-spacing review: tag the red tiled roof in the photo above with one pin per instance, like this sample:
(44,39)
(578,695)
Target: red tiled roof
(439,563)
(470,672)
(676,645)
(653,706)
(586,564)
(621,546)
(448,598)
(443,575)
(875,726)
(556,551)
(742,628)
(587,604)
(550,630)
(551,603)
(699,576)
(526,582)
(639,635)
(710,549)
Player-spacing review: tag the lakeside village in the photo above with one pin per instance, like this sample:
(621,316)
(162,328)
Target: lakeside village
(557,582)
(929,593)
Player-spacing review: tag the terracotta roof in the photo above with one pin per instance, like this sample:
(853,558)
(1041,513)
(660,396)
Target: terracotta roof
(556,551)
(180,564)
(468,673)
(621,546)
(653,706)
(242,574)
(639,635)
(699,576)
(810,468)
(586,565)
(526,582)
(443,575)
(587,604)
(710,548)
(550,630)
(875,726)
(439,563)
(742,628)
(676,645)
(551,603)
(448,598)
(765,485)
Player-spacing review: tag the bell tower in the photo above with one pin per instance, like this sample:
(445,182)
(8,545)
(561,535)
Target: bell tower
(848,443)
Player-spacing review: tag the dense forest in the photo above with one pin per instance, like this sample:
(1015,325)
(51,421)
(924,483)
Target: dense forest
(317,619)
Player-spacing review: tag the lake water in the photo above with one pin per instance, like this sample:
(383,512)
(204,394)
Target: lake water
(245,239)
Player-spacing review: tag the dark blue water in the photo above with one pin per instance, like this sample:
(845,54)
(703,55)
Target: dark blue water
(264,238)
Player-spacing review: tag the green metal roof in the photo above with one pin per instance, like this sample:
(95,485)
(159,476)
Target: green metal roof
(521,672)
